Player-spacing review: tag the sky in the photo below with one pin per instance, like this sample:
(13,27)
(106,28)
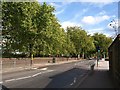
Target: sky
(91,15)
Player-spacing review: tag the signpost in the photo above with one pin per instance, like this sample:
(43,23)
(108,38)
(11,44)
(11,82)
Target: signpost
(98,53)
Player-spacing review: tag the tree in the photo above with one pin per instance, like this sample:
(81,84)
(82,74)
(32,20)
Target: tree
(19,26)
(102,41)
(80,39)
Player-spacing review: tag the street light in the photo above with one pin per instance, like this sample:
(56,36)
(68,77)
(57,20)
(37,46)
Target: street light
(114,25)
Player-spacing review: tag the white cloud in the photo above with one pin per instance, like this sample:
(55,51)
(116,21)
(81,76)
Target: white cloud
(70,24)
(85,10)
(88,19)
(102,13)
(99,30)
(79,14)
(95,20)
(54,4)
(105,1)
(59,12)
(95,30)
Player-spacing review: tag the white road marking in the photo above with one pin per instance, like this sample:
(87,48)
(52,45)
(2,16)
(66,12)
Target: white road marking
(9,80)
(71,84)
(36,74)
(34,68)
(41,73)
(74,80)
(23,78)
(1,82)
(43,68)
(28,76)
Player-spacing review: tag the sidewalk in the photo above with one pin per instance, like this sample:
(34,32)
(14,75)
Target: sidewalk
(100,78)
(35,66)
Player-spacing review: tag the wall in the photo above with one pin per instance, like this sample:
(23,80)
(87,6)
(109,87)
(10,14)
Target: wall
(114,59)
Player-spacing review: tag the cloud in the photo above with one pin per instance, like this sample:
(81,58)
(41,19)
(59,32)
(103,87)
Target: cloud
(54,4)
(79,14)
(95,30)
(105,31)
(70,24)
(59,12)
(95,20)
(102,13)
(105,1)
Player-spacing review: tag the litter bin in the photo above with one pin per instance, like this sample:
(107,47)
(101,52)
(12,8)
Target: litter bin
(53,59)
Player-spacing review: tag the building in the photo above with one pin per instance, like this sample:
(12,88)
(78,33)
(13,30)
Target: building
(114,59)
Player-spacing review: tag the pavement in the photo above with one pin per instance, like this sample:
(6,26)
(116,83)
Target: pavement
(99,78)
(34,66)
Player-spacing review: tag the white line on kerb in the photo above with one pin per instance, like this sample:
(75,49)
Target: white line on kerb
(43,68)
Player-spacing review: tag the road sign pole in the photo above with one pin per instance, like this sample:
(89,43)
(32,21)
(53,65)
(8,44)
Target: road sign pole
(98,56)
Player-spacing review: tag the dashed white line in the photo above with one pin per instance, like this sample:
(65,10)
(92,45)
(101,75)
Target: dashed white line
(74,80)
(71,84)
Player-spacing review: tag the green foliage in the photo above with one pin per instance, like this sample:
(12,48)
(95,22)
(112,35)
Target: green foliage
(82,42)
(32,28)
(102,41)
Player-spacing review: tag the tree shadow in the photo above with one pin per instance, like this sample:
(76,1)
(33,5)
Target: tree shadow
(2,87)
(98,79)
(65,79)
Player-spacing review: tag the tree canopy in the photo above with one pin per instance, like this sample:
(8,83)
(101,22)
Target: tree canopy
(33,28)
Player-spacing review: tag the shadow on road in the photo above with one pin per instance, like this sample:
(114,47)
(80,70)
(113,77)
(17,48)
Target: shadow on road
(67,78)
(2,87)
(98,79)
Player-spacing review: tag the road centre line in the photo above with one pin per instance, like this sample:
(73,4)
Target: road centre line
(36,74)
(9,80)
(23,78)
(28,76)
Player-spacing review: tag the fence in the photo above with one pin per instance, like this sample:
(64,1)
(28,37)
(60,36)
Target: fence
(114,59)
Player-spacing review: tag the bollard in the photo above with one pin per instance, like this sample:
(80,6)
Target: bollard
(14,63)
(53,59)
(92,67)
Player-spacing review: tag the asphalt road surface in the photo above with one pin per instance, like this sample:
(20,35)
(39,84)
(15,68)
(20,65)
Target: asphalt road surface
(56,76)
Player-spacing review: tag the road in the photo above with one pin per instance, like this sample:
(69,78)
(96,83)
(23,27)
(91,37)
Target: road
(55,76)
